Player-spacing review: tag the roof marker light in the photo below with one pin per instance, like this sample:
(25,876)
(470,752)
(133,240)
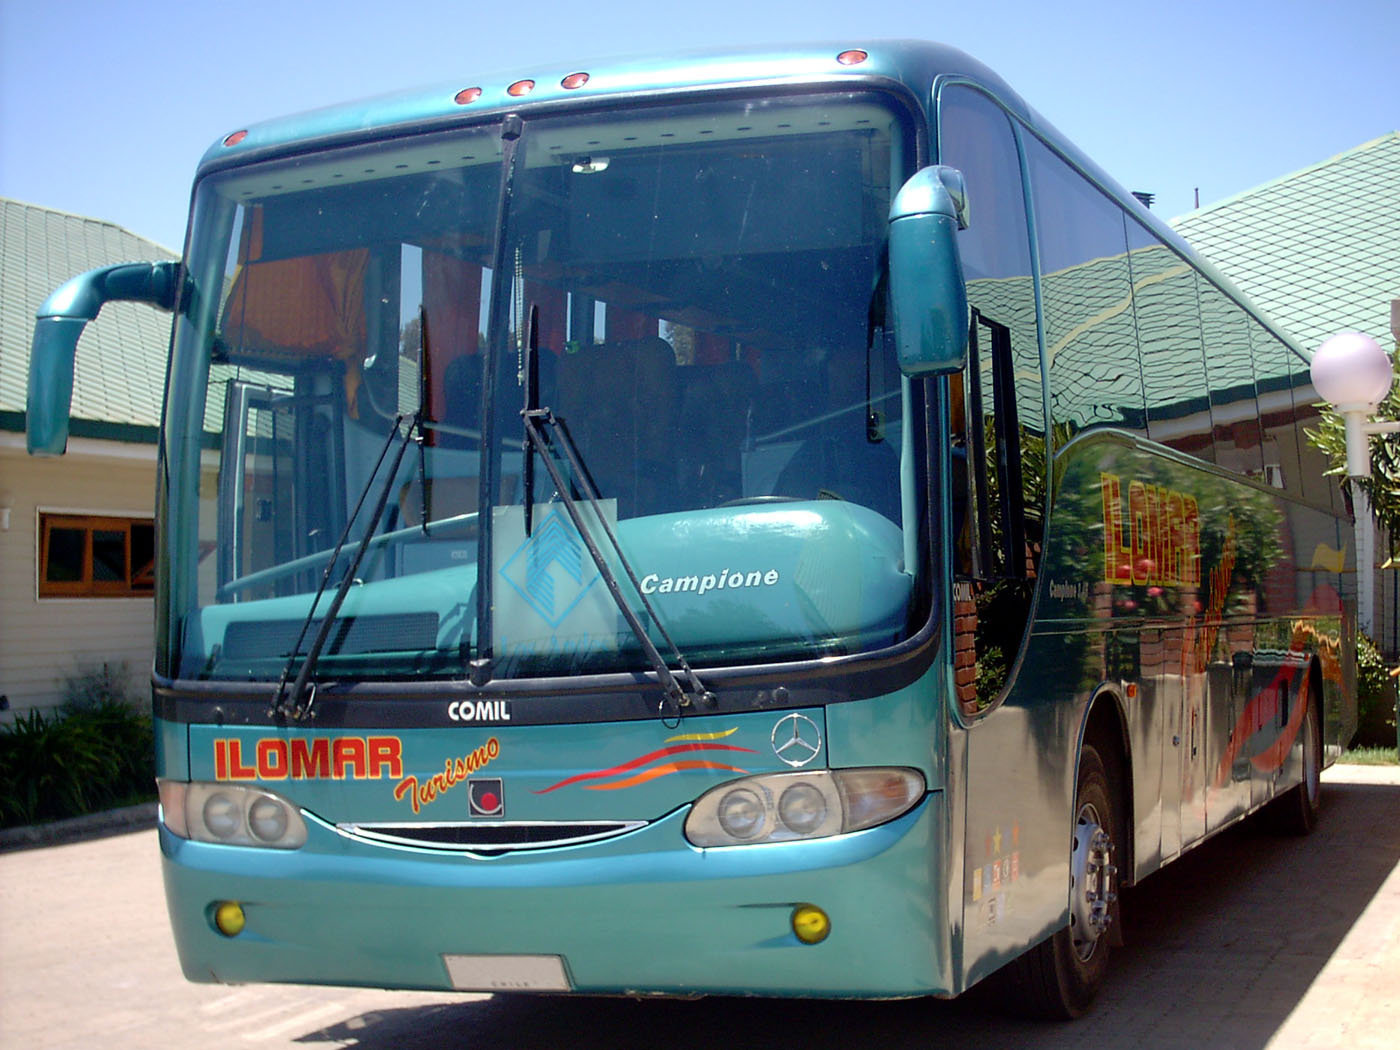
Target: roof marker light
(236,138)
(467,96)
(854,57)
(574,81)
(520,88)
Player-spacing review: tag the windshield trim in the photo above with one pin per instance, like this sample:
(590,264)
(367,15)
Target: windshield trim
(898,100)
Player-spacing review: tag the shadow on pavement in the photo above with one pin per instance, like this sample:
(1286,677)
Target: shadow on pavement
(1222,945)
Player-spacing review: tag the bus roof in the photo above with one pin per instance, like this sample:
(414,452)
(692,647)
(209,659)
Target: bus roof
(913,64)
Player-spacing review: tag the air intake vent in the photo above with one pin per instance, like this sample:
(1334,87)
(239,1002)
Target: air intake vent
(497,837)
(353,634)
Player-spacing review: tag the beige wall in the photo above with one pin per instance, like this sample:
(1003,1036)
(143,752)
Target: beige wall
(45,641)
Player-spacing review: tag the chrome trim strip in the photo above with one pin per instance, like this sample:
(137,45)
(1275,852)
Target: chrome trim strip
(385,833)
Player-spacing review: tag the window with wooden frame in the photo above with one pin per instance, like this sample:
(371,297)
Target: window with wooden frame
(96,556)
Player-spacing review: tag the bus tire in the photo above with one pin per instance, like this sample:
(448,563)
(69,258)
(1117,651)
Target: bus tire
(1058,978)
(1295,812)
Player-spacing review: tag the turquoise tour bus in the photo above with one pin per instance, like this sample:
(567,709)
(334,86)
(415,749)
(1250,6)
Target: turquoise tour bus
(781,523)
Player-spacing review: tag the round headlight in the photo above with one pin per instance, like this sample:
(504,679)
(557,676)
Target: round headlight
(740,813)
(267,819)
(802,808)
(222,816)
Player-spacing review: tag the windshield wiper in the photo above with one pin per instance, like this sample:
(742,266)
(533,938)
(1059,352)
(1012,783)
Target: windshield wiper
(679,697)
(298,705)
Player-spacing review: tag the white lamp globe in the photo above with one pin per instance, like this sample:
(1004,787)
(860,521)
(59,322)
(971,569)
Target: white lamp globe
(1352,371)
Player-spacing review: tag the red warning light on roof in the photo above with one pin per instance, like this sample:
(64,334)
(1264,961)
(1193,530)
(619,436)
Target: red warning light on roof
(520,88)
(467,96)
(852,58)
(574,81)
(236,138)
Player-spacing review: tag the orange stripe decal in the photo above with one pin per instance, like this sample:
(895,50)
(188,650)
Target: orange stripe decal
(663,770)
(637,763)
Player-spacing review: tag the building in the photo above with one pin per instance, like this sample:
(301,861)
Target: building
(1319,252)
(76,532)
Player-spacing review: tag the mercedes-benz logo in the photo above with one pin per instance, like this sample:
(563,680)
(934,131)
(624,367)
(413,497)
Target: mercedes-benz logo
(796,740)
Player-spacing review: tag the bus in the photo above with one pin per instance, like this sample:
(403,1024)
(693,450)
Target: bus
(776,523)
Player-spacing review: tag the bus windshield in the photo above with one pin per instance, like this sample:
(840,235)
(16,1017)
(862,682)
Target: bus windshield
(697,290)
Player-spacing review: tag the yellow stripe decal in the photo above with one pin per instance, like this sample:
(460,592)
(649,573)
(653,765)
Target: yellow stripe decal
(702,736)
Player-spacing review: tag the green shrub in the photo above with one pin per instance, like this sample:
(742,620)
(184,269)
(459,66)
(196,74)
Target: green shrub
(96,686)
(1375,698)
(96,752)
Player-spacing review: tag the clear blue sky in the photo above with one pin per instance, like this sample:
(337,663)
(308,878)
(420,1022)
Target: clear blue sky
(105,107)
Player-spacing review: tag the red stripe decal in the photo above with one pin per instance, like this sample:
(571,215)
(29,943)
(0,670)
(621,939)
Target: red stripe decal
(638,762)
(665,769)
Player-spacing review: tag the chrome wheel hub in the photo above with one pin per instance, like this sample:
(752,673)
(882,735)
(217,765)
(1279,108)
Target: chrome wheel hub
(1095,885)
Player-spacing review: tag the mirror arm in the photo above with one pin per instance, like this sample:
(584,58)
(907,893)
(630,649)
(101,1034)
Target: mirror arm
(59,323)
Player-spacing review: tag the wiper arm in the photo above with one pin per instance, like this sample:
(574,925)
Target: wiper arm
(298,704)
(679,697)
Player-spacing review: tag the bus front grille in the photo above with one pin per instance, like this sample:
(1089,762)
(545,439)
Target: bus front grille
(480,837)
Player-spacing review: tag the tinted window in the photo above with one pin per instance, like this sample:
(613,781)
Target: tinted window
(1273,367)
(1090,345)
(1169,342)
(1230,370)
(691,293)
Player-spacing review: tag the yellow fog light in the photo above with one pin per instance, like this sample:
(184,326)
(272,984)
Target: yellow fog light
(229,918)
(810,924)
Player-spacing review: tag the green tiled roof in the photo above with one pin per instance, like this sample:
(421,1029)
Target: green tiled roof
(1318,250)
(121,356)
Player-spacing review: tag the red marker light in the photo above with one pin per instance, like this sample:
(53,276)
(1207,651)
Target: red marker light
(852,58)
(467,96)
(520,88)
(236,138)
(574,81)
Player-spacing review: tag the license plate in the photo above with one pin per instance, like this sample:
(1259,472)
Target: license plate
(507,973)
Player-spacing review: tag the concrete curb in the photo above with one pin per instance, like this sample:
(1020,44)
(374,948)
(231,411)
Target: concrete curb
(79,829)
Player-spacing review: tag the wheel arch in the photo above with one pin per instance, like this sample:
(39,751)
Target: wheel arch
(1105,726)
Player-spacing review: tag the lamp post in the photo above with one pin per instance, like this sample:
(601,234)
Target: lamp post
(1352,372)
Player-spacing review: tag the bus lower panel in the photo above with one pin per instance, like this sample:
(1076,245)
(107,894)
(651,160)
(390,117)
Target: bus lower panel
(645,913)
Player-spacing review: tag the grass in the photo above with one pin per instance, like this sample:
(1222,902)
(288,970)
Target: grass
(1371,756)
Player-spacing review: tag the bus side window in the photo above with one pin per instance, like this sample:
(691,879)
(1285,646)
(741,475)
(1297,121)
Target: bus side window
(994,479)
(1167,313)
(998,413)
(1233,405)
(1273,365)
(1090,341)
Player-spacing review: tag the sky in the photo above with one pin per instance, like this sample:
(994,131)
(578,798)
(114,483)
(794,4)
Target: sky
(106,107)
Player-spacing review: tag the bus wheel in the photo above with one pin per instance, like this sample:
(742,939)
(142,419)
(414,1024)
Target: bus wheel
(1058,978)
(1295,812)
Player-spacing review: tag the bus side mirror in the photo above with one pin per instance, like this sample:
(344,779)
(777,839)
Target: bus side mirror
(57,326)
(927,296)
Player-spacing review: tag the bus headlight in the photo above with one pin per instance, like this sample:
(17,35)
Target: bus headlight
(222,816)
(231,815)
(786,807)
(740,813)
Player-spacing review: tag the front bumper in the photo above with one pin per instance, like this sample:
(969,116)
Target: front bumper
(641,913)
